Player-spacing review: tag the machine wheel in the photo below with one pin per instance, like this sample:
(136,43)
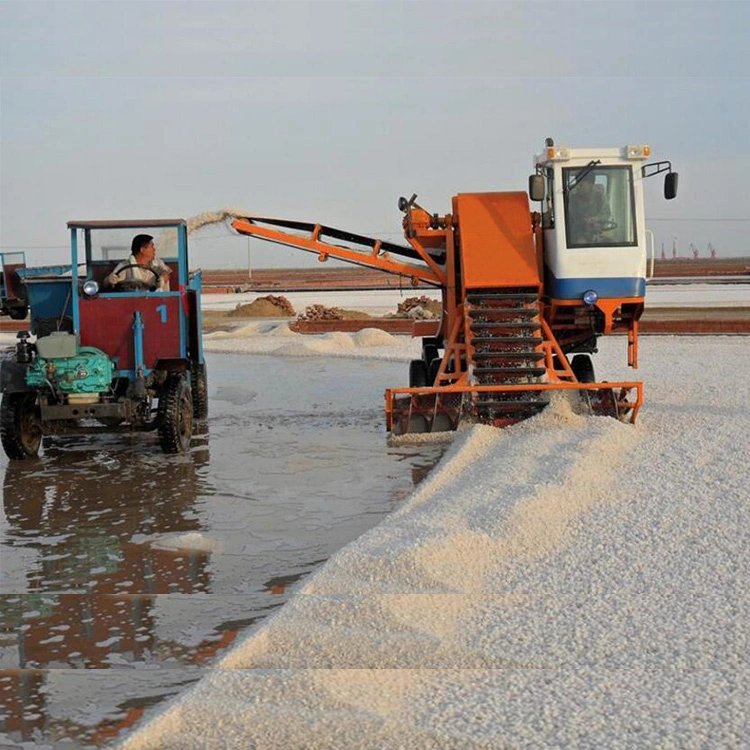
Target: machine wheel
(429,352)
(18,313)
(417,373)
(20,431)
(175,415)
(583,368)
(199,389)
(432,370)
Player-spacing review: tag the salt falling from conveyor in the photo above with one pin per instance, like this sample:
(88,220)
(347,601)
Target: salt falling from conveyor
(213,217)
(166,242)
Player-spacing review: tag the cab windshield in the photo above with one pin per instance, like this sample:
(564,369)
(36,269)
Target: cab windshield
(113,244)
(599,206)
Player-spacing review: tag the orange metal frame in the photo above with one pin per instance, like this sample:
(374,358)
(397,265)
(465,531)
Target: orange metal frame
(623,398)
(501,221)
(614,318)
(375,258)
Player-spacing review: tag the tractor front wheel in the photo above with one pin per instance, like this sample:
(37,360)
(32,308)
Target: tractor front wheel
(20,430)
(175,415)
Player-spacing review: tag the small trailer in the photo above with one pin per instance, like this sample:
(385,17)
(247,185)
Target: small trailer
(13,300)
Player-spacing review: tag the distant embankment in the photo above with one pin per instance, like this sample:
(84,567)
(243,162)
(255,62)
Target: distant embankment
(278,280)
(702,267)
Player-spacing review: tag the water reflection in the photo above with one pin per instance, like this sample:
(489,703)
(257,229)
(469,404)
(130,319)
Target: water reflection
(126,572)
(78,513)
(85,589)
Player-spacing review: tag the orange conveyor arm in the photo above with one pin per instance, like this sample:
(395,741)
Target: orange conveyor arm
(361,250)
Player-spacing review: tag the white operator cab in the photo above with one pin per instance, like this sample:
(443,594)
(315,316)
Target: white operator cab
(593,225)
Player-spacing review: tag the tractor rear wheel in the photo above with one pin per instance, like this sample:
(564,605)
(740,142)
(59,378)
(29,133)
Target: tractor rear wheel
(175,415)
(199,389)
(20,431)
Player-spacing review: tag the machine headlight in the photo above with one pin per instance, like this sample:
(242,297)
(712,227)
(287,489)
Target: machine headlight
(90,288)
(590,297)
(637,152)
(558,153)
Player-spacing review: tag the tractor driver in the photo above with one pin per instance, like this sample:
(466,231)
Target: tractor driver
(589,213)
(136,267)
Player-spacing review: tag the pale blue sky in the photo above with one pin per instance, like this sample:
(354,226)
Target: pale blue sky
(328,111)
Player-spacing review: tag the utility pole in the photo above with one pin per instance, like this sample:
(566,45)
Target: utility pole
(674,247)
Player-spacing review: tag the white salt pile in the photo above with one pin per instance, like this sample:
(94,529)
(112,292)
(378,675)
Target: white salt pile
(570,581)
(278,340)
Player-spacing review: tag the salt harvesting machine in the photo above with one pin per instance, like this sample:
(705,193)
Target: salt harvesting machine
(526,294)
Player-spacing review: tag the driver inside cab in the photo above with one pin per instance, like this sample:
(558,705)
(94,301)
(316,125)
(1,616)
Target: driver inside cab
(142,266)
(589,213)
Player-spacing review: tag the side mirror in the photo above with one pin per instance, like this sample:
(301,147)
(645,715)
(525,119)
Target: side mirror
(536,187)
(670,185)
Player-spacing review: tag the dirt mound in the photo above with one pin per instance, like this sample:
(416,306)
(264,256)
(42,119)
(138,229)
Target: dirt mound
(321,312)
(270,306)
(421,308)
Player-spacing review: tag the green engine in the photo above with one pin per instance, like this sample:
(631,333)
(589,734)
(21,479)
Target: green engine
(88,370)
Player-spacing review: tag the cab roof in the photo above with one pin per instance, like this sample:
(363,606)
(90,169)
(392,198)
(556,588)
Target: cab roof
(125,223)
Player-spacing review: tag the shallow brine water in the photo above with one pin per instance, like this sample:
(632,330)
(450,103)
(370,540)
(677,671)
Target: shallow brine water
(125,572)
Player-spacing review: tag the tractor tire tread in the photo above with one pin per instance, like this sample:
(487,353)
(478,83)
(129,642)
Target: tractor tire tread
(11,437)
(175,431)
(199,389)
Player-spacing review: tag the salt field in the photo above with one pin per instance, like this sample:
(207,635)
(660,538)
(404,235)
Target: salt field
(569,580)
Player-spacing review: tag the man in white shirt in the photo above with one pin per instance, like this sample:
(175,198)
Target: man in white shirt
(143,254)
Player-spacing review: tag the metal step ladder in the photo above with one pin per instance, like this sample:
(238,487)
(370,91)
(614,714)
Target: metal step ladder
(505,337)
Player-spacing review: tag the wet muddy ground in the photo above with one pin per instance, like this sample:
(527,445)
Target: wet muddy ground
(126,572)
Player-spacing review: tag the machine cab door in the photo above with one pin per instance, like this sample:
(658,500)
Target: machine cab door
(599,206)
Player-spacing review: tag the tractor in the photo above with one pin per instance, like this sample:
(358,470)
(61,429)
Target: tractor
(107,359)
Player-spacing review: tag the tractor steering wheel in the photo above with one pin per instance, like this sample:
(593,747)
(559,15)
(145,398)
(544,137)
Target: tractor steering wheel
(136,285)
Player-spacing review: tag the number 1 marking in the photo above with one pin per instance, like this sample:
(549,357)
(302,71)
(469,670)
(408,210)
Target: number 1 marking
(162,310)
